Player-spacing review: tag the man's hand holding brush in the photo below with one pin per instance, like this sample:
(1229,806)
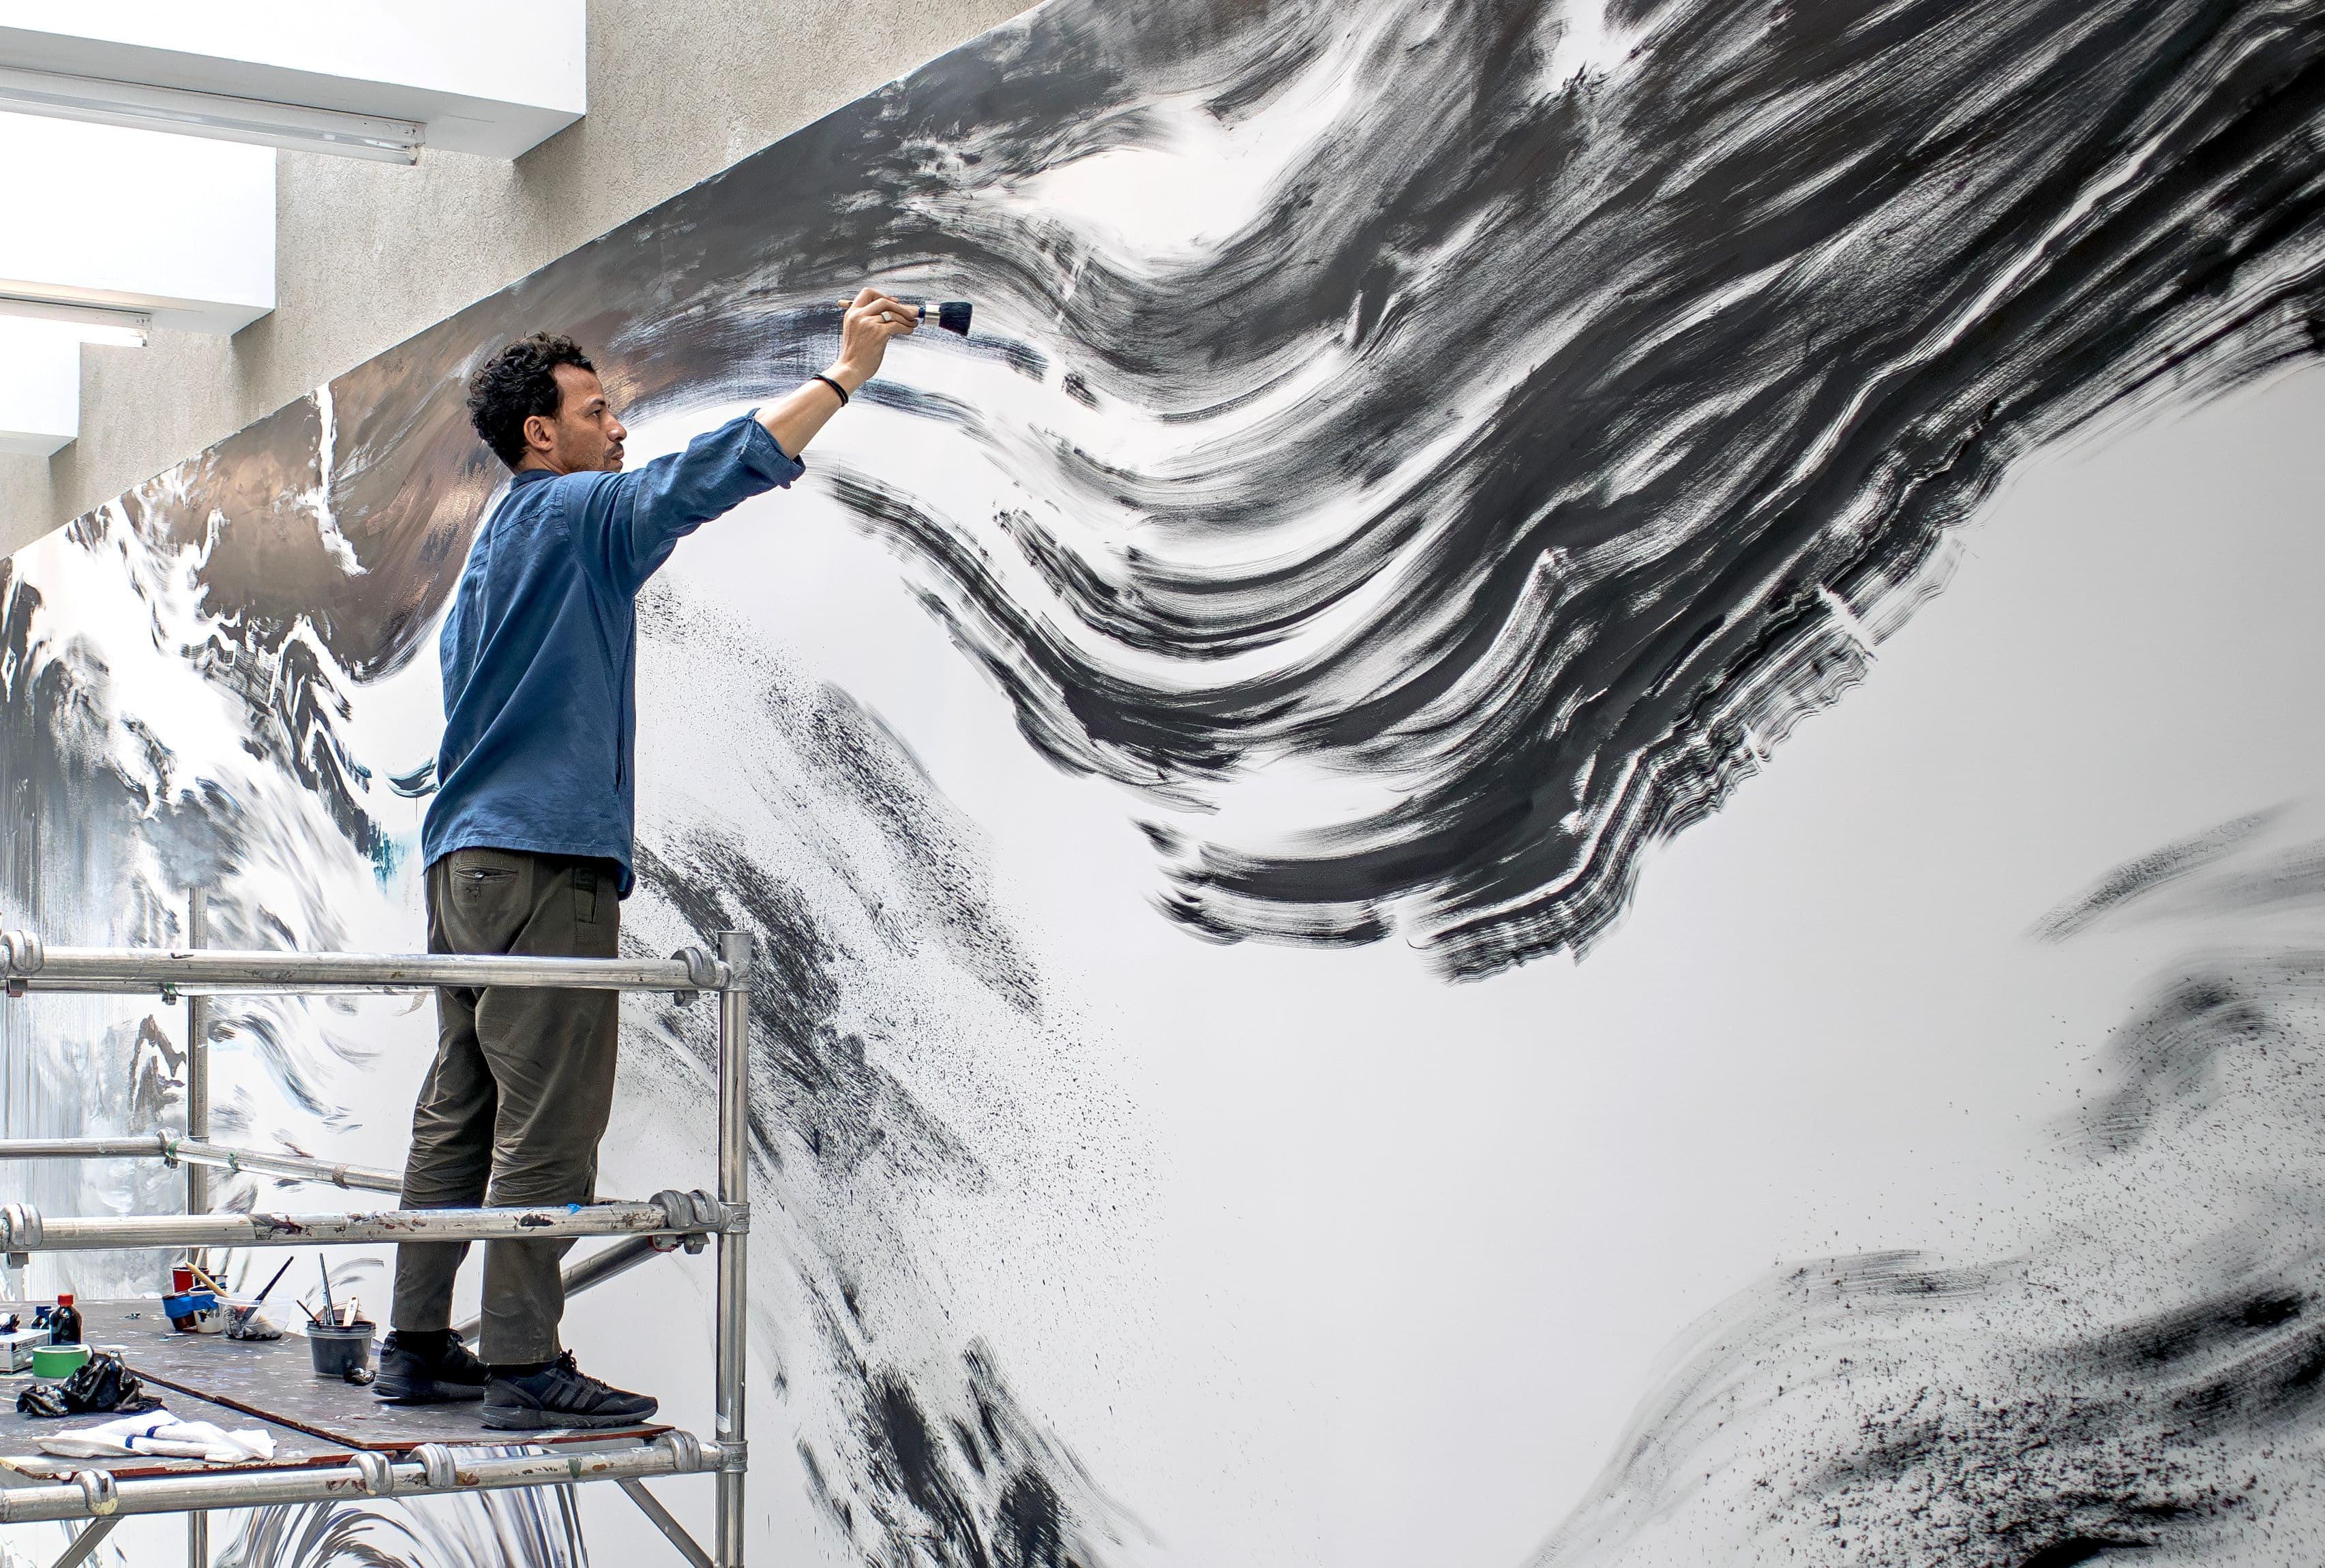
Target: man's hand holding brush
(871,321)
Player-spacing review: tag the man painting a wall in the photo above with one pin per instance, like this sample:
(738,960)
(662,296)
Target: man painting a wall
(1262,574)
(528,839)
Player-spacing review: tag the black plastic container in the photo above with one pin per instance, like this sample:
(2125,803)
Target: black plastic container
(338,1351)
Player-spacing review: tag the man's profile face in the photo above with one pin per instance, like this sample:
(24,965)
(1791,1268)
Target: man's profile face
(584,437)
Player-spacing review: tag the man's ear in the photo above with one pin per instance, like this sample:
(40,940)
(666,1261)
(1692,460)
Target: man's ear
(538,435)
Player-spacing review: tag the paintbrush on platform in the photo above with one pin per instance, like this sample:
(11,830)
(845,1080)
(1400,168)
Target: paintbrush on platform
(271,1284)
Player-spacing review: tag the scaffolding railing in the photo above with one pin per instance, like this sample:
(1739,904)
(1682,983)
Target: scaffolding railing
(193,1152)
(667,1221)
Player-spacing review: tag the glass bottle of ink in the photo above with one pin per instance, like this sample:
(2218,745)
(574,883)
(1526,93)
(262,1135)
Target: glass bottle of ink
(64,1323)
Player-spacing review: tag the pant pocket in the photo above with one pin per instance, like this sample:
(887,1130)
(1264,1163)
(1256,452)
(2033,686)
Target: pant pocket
(478,884)
(484,885)
(585,894)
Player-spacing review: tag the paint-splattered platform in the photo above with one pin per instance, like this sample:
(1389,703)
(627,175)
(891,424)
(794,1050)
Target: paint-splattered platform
(275,1382)
(22,1461)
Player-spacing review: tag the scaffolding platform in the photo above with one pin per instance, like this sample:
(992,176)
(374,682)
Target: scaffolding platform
(334,1440)
(274,1381)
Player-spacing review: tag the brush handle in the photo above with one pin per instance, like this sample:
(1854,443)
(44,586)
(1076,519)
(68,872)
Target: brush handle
(276,1281)
(920,310)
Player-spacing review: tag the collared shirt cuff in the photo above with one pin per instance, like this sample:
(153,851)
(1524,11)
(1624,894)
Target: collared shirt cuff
(766,455)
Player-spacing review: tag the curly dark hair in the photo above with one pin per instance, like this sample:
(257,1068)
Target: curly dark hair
(515,384)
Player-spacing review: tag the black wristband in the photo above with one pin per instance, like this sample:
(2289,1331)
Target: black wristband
(835,387)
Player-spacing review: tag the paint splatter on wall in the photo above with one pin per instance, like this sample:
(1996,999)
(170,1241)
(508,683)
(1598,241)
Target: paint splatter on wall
(1425,455)
(2148,1374)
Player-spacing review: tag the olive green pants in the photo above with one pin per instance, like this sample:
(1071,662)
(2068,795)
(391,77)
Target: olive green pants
(521,1086)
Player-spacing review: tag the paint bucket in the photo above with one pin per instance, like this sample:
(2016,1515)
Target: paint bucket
(59,1361)
(338,1351)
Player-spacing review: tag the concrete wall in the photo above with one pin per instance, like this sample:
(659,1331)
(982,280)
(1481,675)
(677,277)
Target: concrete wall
(370,253)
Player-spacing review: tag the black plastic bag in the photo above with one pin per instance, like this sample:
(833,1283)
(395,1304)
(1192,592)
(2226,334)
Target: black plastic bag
(103,1385)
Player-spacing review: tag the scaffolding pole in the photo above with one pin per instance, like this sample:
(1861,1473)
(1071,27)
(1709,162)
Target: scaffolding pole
(24,1229)
(29,966)
(734,1265)
(97,1494)
(262,1162)
(595,1269)
(198,1057)
(185,1151)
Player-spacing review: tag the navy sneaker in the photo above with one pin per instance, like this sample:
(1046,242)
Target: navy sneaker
(560,1397)
(410,1375)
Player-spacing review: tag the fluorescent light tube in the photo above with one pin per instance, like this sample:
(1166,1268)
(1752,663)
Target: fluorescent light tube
(122,329)
(187,113)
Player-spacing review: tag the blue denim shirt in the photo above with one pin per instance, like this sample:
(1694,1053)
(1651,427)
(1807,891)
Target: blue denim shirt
(540,648)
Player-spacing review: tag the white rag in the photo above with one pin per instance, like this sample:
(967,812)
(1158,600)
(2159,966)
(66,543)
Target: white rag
(157,1432)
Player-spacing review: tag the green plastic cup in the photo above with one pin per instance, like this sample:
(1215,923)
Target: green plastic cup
(59,1361)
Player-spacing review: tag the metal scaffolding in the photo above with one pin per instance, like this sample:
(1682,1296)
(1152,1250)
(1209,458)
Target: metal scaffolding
(668,1220)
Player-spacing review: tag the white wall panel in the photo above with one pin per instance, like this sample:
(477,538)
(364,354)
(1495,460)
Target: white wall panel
(40,386)
(180,227)
(487,79)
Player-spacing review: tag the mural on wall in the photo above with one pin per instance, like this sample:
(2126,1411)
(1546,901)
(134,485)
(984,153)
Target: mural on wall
(1413,462)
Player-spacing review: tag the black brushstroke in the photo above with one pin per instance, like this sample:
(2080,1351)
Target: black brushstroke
(2135,881)
(418,783)
(974,1493)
